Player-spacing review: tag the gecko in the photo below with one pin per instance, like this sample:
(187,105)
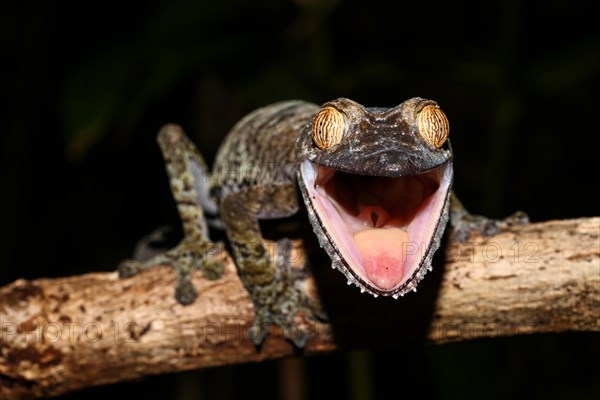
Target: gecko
(376,184)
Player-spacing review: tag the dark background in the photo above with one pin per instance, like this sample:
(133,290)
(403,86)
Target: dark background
(86,89)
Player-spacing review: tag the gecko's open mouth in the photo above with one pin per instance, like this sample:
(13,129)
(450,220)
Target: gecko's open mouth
(381,227)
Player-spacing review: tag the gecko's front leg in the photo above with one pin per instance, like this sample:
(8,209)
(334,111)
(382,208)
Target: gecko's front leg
(188,177)
(464,223)
(276,288)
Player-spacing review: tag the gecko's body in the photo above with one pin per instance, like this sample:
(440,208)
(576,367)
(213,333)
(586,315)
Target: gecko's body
(376,183)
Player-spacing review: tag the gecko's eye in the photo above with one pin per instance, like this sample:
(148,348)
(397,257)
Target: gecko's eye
(328,128)
(433,125)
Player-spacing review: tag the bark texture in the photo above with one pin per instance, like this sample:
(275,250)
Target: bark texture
(60,335)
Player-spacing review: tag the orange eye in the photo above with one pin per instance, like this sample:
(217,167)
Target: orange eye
(433,125)
(328,128)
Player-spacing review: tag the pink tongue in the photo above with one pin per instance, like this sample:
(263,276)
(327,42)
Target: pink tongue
(382,251)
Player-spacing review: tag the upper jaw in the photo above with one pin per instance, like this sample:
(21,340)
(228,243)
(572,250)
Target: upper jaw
(378,152)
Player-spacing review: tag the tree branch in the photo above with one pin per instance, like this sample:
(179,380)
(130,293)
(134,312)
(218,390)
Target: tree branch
(59,335)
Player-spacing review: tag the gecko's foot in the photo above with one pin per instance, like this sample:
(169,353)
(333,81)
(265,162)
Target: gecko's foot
(280,302)
(260,329)
(184,258)
(466,224)
(283,314)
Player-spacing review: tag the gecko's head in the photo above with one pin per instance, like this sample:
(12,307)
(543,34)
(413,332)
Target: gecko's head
(377,184)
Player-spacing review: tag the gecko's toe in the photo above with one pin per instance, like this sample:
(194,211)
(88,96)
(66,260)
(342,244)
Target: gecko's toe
(212,270)
(129,268)
(518,218)
(185,292)
(258,332)
(297,336)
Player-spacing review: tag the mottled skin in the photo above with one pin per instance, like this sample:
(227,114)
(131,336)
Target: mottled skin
(254,177)
(378,142)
